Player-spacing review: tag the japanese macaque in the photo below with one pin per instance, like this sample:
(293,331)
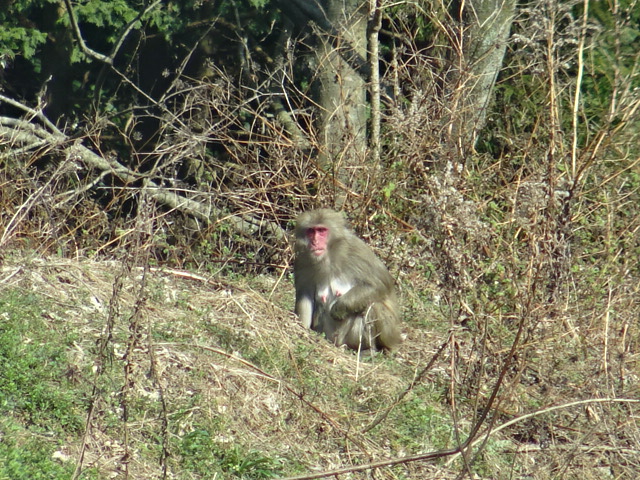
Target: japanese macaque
(342,287)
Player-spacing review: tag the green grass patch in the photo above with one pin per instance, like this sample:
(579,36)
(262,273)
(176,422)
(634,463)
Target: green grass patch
(203,455)
(34,383)
(25,455)
(38,403)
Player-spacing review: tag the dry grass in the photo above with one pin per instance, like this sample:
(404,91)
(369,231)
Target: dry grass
(520,259)
(165,355)
(213,353)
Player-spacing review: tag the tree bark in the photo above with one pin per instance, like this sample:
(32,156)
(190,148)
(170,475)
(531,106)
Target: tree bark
(342,94)
(481,39)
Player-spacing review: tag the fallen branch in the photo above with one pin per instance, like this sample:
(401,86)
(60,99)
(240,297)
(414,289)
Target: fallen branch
(30,136)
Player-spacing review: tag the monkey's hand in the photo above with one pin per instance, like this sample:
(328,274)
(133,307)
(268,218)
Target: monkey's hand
(355,300)
(341,310)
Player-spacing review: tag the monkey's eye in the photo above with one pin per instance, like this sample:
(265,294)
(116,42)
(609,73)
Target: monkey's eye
(318,236)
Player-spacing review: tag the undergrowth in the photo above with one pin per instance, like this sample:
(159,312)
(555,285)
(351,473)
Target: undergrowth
(145,339)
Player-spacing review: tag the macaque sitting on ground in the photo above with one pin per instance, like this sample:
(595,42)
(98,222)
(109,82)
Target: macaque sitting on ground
(342,287)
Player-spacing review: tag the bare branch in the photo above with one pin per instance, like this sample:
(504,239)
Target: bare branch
(30,135)
(97,55)
(32,113)
(83,46)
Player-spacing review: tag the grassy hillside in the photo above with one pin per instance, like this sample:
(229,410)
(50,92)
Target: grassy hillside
(112,370)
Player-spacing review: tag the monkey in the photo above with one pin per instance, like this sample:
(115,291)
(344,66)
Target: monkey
(342,288)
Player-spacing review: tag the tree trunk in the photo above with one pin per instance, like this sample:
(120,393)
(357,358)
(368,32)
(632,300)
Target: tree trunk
(342,94)
(484,27)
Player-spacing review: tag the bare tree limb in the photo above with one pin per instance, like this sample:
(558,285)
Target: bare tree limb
(30,111)
(83,46)
(30,136)
(129,28)
(97,55)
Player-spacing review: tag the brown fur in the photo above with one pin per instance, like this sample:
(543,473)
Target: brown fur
(348,293)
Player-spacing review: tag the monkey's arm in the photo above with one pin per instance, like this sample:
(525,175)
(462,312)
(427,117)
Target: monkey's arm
(304,308)
(368,279)
(305,288)
(357,300)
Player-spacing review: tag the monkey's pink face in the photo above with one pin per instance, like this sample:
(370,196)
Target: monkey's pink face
(317,238)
